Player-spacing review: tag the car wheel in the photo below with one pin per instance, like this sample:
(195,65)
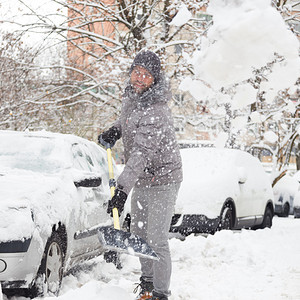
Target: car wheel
(226,219)
(286,210)
(268,218)
(51,269)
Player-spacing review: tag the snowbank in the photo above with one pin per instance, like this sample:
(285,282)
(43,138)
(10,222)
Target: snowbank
(247,265)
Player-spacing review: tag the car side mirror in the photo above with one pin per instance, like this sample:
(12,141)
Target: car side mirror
(88,182)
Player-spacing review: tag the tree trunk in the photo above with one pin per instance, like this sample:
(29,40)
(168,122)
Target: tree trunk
(298,156)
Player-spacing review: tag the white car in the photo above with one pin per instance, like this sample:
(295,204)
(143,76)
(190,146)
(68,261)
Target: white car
(222,189)
(284,193)
(53,187)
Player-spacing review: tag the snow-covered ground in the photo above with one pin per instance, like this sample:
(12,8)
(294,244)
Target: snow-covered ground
(254,265)
(260,265)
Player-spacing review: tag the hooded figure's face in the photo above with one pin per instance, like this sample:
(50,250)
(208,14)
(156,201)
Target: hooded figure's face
(141,79)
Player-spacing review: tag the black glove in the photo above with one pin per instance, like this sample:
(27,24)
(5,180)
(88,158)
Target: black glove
(108,138)
(118,201)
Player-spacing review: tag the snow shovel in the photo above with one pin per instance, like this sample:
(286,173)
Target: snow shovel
(116,239)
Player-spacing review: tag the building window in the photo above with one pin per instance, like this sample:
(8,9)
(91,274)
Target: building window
(202,18)
(178,49)
(179,99)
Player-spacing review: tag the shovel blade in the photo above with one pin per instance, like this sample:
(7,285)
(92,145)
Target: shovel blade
(125,242)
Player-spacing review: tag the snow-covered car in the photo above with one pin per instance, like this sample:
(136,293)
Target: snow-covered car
(222,189)
(297,205)
(53,187)
(284,193)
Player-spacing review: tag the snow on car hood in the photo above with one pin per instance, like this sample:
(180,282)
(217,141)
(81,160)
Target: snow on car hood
(209,178)
(27,202)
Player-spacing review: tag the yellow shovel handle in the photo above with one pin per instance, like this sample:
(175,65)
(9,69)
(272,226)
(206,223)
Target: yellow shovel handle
(112,188)
(116,218)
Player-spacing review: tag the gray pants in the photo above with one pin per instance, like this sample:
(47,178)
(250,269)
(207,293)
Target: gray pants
(151,211)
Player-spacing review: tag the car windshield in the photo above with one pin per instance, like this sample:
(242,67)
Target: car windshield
(30,153)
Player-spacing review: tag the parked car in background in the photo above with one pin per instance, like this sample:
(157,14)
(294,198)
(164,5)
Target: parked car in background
(183,144)
(297,205)
(222,189)
(284,194)
(53,187)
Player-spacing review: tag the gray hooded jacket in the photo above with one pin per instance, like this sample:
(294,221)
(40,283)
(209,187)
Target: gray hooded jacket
(151,152)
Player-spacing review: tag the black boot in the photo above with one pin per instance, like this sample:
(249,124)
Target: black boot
(146,288)
(158,296)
